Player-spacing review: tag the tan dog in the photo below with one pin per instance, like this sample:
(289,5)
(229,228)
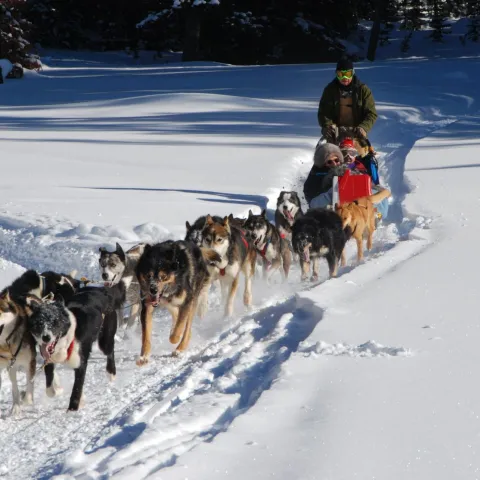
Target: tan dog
(237,254)
(360,217)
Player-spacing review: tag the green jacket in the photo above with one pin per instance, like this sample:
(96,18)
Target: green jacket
(364,112)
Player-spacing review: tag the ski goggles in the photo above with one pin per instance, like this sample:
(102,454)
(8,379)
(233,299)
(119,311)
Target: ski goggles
(345,74)
(349,152)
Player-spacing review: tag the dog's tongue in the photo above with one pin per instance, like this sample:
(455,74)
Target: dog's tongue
(289,215)
(46,350)
(306,254)
(154,299)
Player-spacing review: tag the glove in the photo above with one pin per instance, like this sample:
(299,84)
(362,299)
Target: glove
(360,132)
(330,133)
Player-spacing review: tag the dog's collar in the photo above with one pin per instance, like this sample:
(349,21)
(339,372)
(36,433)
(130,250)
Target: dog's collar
(70,349)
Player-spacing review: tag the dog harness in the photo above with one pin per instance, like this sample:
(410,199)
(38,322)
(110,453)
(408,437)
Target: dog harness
(263,252)
(13,358)
(70,350)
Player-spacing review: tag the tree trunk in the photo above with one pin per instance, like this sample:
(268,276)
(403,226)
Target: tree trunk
(375,32)
(191,45)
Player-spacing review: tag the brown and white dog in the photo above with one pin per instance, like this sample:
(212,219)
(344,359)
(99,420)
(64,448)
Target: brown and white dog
(237,255)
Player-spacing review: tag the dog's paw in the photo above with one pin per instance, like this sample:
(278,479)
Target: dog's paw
(15,412)
(111,377)
(54,391)
(142,360)
(27,398)
(314,278)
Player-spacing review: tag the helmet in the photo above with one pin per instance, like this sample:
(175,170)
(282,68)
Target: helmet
(347,144)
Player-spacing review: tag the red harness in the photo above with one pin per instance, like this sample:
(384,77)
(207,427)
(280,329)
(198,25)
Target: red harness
(70,350)
(245,242)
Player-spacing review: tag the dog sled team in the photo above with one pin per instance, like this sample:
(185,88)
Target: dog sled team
(64,316)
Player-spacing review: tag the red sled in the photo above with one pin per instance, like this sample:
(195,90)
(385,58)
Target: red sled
(350,187)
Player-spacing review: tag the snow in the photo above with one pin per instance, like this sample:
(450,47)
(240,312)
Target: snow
(369,375)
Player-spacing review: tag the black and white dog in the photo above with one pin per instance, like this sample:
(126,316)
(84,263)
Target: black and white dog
(266,238)
(43,284)
(113,267)
(65,333)
(288,210)
(319,233)
(17,347)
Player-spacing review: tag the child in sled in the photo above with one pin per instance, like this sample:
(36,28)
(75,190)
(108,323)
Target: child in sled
(359,156)
(329,161)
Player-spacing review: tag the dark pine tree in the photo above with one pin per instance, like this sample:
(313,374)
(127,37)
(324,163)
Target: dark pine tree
(438,21)
(473,27)
(13,32)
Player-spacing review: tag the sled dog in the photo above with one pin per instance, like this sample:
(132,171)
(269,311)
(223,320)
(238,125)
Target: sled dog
(319,233)
(288,210)
(173,274)
(65,332)
(272,248)
(237,254)
(359,216)
(113,267)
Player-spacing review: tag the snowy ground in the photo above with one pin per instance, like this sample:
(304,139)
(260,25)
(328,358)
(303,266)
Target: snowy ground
(370,375)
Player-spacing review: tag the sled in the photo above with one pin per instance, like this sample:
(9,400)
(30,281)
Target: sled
(350,187)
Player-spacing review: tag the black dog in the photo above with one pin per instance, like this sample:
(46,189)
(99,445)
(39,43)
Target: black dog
(65,333)
(173,274)
(43,284)
(319,233)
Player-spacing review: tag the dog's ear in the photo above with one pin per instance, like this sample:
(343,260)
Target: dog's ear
(295,194)
(102,250)
(187,224)
(337,206)
(73,273)
(231,217)
(209,220)
(5,296)
(264,213)
(226,224)
(250,214)
(119,251)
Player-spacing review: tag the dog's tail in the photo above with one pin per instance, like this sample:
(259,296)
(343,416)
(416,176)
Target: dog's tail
(210,256)
(379,196)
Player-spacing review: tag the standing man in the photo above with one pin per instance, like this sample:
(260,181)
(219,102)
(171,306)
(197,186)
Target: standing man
(346,102)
